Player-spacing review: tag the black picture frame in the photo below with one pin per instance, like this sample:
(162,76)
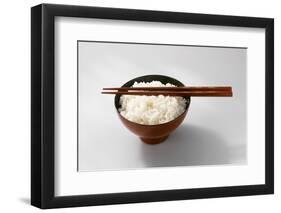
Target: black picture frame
(43,113)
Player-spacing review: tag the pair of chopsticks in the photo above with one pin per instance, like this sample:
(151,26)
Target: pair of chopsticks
(216,91)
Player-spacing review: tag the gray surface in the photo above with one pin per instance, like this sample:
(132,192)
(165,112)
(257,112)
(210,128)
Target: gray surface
(213,133)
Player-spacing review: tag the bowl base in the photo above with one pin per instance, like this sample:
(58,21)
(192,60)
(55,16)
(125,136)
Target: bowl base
(154,140)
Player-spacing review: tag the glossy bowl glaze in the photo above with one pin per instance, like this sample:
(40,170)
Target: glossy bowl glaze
(152,134)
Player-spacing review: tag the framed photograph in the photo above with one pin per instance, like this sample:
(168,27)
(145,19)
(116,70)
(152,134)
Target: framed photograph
(139,106)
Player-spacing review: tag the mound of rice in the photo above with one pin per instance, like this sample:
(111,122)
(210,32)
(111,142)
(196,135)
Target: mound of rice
(151,110)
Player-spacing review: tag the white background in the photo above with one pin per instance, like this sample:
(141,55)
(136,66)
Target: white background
(15,108)
(69,182)
(203,138)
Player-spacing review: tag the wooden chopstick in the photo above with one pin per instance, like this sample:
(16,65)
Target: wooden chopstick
(203,91)
(175,93)
(191,88)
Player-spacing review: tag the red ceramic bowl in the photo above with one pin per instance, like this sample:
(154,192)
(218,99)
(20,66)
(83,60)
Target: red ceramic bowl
(153,134)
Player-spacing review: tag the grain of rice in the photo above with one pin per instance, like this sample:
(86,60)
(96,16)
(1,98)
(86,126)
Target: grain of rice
(151,110)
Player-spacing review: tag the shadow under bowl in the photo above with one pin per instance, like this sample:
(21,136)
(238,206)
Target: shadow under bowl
(152,134)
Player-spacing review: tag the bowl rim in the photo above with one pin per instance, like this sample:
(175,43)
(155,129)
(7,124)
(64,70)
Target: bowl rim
(154,125)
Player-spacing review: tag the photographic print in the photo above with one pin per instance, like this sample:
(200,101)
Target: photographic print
(134,106)
(119,132)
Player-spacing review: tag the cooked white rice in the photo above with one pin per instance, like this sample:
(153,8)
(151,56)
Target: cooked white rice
(151,110)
